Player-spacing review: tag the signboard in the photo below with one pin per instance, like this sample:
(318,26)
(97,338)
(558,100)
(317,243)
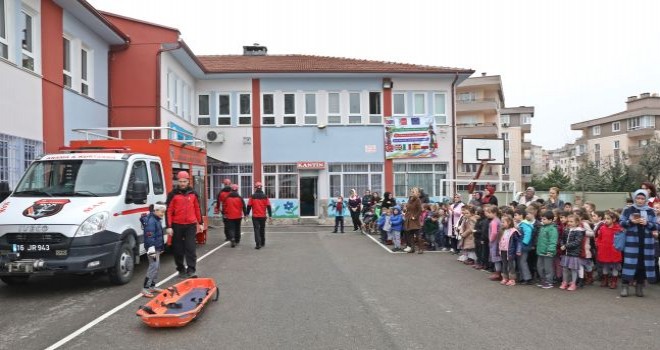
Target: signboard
(370,149)
(179,133)
(410,137)
(310,165)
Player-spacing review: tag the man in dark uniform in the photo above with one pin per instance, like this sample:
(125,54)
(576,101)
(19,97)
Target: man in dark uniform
(220,205)
(184,220)
(259,204)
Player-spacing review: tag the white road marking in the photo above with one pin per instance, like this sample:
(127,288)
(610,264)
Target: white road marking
(390,251)
(99,319)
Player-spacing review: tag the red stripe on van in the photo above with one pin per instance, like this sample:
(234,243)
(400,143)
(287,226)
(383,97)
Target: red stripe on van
(133,211)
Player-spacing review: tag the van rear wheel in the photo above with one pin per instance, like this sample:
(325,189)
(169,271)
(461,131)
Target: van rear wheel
(13,280)
(122,272)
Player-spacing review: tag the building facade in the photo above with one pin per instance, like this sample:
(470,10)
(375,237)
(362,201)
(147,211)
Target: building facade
(55,54)
(516,124)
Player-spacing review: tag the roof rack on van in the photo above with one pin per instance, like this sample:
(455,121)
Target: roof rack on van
(174,134)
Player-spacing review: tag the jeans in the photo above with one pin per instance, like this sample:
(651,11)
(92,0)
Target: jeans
(339,222)
(524,266)
(383,236)
(396,238)
(259,225)
(440,238)
(184,245)
(546,269)
(508,266)
(152,271)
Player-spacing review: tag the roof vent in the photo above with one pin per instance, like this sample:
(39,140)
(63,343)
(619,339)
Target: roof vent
(255,50)
(631,98)
(483,74)
(645,95)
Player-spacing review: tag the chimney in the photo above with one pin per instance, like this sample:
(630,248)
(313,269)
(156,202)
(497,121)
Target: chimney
(483,74)
(255,50)
(645,95)
(631,98)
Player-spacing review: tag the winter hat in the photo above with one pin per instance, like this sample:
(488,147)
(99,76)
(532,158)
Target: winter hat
(160,206)
(183,175)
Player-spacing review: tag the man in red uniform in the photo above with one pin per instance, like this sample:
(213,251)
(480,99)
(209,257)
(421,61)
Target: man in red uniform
(184,220)
(234,209)
(220,205)
(259,203)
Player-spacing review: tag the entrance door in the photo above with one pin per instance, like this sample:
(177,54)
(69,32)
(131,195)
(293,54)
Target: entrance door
(308,193)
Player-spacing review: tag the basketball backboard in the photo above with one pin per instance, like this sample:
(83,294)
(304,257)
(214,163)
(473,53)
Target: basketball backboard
(476,151)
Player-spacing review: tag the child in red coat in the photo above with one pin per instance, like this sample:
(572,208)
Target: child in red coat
(608,257)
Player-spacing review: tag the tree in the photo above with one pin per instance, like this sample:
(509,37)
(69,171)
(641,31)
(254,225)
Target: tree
(619,177)
(649,163)
(588,178)
(555,178)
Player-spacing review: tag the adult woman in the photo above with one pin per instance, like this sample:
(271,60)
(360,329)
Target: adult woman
(388,200)
(412,223)
(355,207)
(639,221)
(652,191)
(455,211)
(489,197)
(476,199)
(377,203)
(553,200)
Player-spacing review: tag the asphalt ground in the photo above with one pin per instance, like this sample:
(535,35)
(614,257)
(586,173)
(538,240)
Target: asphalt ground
(312,289)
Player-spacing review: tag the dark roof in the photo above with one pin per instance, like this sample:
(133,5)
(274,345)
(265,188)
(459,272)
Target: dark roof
(312,64)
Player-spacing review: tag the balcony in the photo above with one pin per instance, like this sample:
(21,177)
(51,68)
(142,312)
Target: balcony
(526,128)
(647,132)
(478,129)
(526,145)
(480,104)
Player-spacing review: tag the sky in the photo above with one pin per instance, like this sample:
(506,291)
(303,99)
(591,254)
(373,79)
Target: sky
(573,60)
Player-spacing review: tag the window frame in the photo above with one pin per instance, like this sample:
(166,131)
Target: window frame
(278,174)
(287,117)
(526,119)
(333,114)
(31,53)
(505,119)
(199,114)
(405,169)
(243,117)
(86,71)
(417,113)
(267,118)
(352,115)
(618,126)
(67,60)
(376,118)
(342,170)
(616,144)
(5,27)
(405,104)
(155,167)
(223,119)
(314,114)
(436,115)
(595,130)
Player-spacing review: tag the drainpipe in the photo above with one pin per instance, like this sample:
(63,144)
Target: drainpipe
(453,129)
(113,49)
(158,82)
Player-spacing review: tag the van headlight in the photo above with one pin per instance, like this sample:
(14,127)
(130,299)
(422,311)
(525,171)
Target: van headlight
(93,224)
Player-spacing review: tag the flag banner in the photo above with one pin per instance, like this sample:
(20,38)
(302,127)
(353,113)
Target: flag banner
(414,137)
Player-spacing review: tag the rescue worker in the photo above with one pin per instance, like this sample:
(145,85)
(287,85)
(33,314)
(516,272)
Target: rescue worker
(184,220)
(234,208)
(219,205)
(260,204)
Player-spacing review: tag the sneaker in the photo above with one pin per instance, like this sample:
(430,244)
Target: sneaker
(182,274)
(564,285)
(191,274)
(233,244)
(511,283)
(452,250)
(335,231)
(547,286)
(528,282)
(540,284)
(147,294)
(504,281)
(156,290)
(407,249)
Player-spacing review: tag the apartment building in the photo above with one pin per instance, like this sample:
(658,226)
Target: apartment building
(539,160)
(564,158)
(481,113)
(621,135)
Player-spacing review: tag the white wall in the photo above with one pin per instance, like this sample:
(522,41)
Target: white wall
(232,150)
(21,103)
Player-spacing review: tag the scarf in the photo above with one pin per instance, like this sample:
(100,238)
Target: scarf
(641,208)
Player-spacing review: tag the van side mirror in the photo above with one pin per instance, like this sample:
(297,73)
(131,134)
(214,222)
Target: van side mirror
(138,192)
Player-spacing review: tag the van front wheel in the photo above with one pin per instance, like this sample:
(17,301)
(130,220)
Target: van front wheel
(122,272)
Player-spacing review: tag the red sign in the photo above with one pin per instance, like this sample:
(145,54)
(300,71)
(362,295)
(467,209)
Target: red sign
(310,165)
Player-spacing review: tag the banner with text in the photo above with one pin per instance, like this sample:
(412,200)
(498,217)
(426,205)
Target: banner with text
(410,137)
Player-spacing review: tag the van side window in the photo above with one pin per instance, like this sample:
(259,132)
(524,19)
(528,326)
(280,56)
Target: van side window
(157,178)
(139,173)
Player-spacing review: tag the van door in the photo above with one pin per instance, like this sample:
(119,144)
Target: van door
(157,182)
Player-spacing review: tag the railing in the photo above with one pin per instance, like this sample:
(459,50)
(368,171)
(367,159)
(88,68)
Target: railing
(190,138)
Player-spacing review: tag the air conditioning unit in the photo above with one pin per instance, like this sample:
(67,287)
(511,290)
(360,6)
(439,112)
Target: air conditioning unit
(247,140)
(214,136)
(505,125)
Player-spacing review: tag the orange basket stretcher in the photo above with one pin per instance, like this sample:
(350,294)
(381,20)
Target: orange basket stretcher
(180,304)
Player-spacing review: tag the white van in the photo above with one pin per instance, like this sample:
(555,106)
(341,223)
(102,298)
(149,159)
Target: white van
(78,213)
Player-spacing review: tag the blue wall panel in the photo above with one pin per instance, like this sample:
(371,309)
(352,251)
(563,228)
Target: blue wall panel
(82,112)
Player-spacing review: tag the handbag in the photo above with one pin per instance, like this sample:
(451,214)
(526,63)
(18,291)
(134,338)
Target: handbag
(620,240)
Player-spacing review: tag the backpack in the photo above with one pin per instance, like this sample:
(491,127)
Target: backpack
(620,240)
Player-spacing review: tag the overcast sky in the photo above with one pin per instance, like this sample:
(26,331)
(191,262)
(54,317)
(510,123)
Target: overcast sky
(572,60)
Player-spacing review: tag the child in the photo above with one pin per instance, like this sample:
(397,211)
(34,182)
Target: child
(509,247)
(461,226)
(525,225)
(467,235)
(493,235)
(368,220)
(155,245)
(586,273)
(571,246)
(339,214)
(431,227)
(546,248)
(481,240)
(608,257)
(385,225)
(440,235)
(396,219)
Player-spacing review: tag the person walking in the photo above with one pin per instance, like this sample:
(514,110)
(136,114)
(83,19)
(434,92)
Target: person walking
(260,204)
(412,223)
(234,208)
(154,244)
(220,205)
(354,207)
(184,220)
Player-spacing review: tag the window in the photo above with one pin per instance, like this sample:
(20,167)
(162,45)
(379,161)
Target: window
(203,117)
(526,170)
(268,109)
(224,109)
(420,104)
(354,108)
(358,176)
(399,104)
(643,122)
(157,178)
(29,154)
(84,74)
(139,173)
(505,136)
(505,120)
(466,97)
(526,118)
(616,126)
(334,116)
(310,109)
(240,174)
(505,170)
(4,161)
(439,109)
(281,181)
(595,130)
(375,112)
(4,43)
(289,109)
(66,69)
(616,144)
(245,117)
(424,175)
(27,41)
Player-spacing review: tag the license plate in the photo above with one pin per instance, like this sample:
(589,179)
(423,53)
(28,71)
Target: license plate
(31,247)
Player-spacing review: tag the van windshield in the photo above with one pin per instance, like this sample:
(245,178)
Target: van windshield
(72,178)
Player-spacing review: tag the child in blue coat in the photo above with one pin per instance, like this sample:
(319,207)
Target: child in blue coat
(154,243)
(396,220)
